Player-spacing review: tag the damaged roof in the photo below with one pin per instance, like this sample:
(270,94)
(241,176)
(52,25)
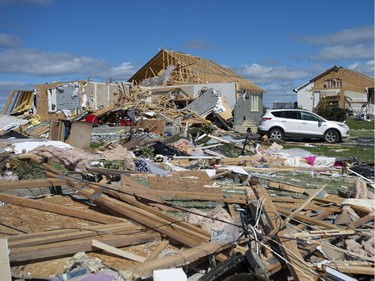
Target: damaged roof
(190,70)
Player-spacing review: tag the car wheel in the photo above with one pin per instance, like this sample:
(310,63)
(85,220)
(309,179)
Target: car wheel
(331,136)
(276,134)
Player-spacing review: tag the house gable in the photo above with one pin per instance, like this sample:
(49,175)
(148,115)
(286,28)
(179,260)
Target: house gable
(342,78)
(343,87)
(188,69)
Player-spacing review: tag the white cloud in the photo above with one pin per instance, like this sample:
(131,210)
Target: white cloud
(359,51)
(266,74)
(365,68)
(35,62)
(39,63)
(349,44)
(345,37)
(122,72)
(8,41)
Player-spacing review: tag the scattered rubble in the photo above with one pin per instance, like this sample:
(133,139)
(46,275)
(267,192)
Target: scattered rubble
(157,183)
(121,216)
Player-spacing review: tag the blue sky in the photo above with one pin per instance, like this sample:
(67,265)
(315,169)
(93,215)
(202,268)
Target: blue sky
(278,45)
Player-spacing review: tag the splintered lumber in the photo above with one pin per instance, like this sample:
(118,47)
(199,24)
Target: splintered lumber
(324,233)
(318,217)
(293,256)
(326,198)
(36,183)
(60,235)
(175,260)
(178,223)
(58,209)
(163,244)
(141,216)
(118,252)
(296,211)
(351,268)
(358,223)
(61,249)
(309,220)
(200,196)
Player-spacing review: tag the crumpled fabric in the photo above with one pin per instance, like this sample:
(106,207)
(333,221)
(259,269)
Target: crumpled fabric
(319,161)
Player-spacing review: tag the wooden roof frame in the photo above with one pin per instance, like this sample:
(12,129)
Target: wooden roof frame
(190,70)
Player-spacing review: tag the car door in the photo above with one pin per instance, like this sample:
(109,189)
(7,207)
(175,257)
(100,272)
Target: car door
(311,124)
(291,121)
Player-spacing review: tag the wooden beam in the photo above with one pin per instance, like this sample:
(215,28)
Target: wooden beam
(296,211)
(117,252)
(141,216)
(61,249)
(36,183)
(358,223)
(58,209)
(9,100)
(175,260)
(309,220)
(163,244)
(61,235)
(295,261)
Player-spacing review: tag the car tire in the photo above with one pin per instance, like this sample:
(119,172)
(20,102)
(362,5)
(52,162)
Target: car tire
(331,136)
(276,134)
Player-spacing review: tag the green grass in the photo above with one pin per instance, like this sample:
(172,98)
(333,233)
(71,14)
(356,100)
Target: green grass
(360,124)
(363,154)
(348,149)
(360,128)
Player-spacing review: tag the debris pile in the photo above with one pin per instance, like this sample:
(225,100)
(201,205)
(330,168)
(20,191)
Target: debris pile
(158,178)
(112,213)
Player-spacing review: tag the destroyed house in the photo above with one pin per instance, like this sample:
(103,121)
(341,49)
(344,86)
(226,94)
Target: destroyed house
(189,75)
(61,100)
(343,88)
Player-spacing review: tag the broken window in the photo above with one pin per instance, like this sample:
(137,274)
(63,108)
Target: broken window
(64,97)
(333,83)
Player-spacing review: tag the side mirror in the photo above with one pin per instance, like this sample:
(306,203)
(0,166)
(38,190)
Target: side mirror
(320,122)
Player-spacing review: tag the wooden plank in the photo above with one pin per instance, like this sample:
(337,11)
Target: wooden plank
(141,216)
(309,220)
(295,261)
(296,211)
(181,258)
(9,100)
(117,252)
(35,183)
(178,223)
(61,249)
(232,212)
(58,209)
(163,244)
(358,223)
(60,235)
(355,269)
(318,217)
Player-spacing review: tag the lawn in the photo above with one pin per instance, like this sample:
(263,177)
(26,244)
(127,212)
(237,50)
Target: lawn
(360,124)
(360,128)
(360,145)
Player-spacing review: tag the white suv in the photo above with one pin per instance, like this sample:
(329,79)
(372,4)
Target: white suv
(280,124)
